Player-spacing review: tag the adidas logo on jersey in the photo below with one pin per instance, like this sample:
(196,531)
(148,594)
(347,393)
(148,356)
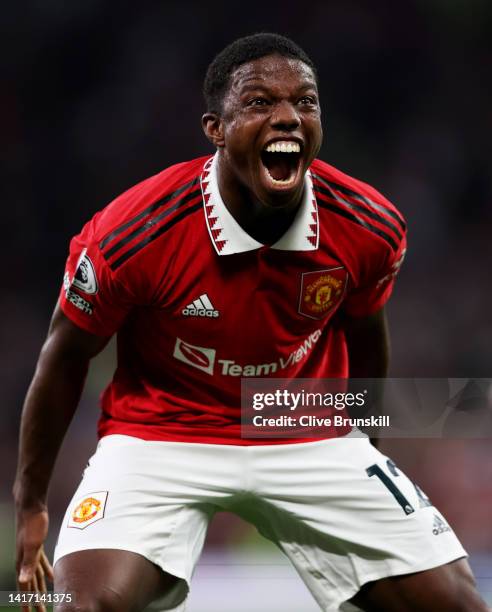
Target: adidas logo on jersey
(439,526)
(201,307)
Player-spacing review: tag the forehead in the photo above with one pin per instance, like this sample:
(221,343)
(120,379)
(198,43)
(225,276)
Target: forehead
(272,70)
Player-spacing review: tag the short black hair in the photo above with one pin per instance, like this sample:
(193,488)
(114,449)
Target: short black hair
(241,51)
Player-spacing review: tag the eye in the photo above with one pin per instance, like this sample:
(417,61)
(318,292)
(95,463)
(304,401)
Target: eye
(311,100)
(258,101)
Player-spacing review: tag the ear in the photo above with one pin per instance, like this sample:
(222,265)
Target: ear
(213,128)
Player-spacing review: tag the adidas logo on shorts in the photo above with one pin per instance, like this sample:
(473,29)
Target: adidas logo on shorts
(439,526)
(201,307)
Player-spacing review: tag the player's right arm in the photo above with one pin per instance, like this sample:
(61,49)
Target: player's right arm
(48,409)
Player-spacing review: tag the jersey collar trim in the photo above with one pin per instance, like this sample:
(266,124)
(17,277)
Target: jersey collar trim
(228,237)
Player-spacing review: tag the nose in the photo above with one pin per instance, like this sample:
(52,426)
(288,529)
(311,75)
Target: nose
(285,117)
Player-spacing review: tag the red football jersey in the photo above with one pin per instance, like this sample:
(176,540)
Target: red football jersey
(197,303)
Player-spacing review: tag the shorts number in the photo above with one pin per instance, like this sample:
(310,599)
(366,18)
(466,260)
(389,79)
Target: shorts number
(375,470)
(424,501)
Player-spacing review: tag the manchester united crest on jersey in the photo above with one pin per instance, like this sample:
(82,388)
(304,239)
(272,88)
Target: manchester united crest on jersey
(321,291)
(88,510)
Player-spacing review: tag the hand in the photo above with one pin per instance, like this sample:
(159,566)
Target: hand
(32,565)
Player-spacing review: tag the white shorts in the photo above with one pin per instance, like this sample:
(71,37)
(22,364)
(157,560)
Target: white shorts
(339,509)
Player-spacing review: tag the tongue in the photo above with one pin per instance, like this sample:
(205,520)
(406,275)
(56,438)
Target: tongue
(278,166)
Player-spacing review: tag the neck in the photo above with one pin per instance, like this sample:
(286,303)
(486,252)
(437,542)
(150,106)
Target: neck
(264,223)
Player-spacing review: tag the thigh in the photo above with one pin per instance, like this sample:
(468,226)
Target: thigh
(346,515)
(154,500)
(110,580)
(447,588)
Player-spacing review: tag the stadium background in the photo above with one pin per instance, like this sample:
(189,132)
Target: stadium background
(97,95)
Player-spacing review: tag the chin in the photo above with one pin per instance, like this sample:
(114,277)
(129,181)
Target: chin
(279,201)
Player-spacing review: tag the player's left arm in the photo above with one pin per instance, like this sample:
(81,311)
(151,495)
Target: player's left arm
(364,318)
(368,346)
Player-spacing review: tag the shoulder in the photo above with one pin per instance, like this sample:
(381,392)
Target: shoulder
(136,216)
(359,205)
(154,194)
(328,179)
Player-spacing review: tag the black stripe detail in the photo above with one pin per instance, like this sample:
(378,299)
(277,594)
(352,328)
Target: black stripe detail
(148,239)
(151,222)
(150,209)
(365,199)
(348,215)
(356,207)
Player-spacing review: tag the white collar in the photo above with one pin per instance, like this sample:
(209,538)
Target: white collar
(228,237)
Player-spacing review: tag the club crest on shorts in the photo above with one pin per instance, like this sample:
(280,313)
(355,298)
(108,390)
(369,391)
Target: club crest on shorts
(321,291)
(88,510)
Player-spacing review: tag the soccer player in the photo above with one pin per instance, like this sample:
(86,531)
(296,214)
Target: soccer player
(257,261)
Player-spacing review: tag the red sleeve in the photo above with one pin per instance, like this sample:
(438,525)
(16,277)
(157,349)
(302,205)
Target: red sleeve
(91,296)
(368,299)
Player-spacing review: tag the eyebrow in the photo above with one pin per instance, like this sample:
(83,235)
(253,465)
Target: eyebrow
(255,84)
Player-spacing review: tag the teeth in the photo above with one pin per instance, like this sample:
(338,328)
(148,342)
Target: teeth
(283,147)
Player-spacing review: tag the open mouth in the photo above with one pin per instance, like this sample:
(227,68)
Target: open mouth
(282,161)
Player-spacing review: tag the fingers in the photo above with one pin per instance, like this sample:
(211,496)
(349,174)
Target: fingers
(24,587)
(32,564)
(47,567)
(36,587)
(28,565)
(24,584)
(25,577)
(32,578)
(40,579)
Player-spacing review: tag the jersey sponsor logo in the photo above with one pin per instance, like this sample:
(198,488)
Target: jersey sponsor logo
(88,510)
(85,275)
(205,359)
(197,356)
(321,291)
(201,307)
(439,526)
(74,298)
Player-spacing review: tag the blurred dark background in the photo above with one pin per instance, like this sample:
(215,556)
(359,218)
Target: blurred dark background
(99,94)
